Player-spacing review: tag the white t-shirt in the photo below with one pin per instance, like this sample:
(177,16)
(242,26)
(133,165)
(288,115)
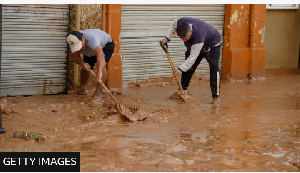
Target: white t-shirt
(94,38)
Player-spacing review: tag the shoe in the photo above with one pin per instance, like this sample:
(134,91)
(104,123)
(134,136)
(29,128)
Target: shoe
(216,101)
(97,99)
(175,95)
(97,96)
(78,90)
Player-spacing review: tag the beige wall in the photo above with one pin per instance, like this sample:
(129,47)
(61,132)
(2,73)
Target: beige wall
(282,39)
(91,18)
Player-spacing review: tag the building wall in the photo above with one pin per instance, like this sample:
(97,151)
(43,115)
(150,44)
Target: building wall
(244,51)
(91,18)
(282,40)
(240,59)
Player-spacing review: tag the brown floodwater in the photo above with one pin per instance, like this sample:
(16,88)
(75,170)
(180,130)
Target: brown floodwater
(255,128)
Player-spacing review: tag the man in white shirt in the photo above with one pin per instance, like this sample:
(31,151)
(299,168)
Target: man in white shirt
(97,47)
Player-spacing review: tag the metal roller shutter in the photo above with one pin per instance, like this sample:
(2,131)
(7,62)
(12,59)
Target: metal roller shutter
(143,26)
(34,52)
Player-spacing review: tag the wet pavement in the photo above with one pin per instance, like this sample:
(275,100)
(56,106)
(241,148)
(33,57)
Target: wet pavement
(255,128)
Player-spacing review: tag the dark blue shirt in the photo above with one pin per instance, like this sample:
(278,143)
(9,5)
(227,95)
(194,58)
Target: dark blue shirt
(202,33)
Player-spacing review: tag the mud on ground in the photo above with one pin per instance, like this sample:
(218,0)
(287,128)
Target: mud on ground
(256,128)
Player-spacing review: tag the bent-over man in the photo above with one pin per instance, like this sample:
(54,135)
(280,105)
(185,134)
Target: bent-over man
(97,47)
(202,41)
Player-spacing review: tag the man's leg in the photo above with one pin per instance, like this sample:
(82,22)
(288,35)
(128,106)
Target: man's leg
(187,76)
(108,51)
(84,77)
(84,74)
(104,75)
(104,79)
(213,61)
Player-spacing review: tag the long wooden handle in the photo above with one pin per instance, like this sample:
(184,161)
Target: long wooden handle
(101,83)
(174,71)
(172,65)
(165,48)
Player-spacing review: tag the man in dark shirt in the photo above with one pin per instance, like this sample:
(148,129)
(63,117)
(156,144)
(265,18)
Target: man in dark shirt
(202,41)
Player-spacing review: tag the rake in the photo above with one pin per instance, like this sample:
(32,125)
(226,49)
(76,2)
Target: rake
(124,109)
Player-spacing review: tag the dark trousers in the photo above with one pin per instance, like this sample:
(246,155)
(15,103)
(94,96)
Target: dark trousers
(213,60)
(108,51)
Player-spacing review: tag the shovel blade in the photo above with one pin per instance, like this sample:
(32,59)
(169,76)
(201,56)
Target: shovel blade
(188,98)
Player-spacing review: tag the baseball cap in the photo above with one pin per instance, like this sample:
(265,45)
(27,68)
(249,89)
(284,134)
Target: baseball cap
(74,40)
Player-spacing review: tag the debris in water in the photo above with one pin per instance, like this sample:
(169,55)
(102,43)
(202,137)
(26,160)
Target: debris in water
(128,113)
(27,136)
(276,155)
(189,162)
(4,107)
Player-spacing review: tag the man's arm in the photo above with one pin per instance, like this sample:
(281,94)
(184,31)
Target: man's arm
(76,57)
(172,31)
(100,61)
(195,51)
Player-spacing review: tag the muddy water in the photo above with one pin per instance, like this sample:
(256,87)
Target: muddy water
(256,128)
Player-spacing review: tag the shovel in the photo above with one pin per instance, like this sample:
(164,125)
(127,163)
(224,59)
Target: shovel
(125,110)
(186,97)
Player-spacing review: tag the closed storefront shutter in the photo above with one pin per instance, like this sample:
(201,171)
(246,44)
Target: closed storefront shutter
(143,26)
(34,49)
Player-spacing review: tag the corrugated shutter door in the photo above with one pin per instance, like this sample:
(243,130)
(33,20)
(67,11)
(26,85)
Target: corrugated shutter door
(34,52)
(143,26)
